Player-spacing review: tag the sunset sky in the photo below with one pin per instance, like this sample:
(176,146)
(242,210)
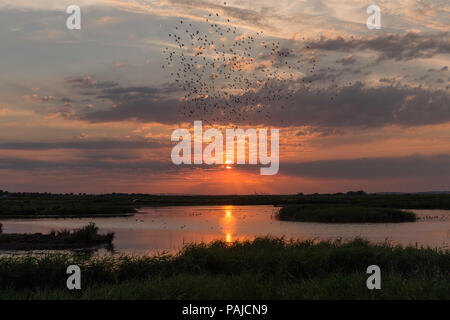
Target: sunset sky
(92,110)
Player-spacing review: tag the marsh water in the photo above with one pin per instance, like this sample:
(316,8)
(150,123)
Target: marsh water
(168,228)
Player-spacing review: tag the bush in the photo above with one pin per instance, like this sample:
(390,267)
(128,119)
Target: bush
(343,213)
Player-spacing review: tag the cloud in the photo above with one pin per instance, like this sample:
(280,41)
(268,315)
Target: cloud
(46,5)
(145,110)
(108,20)
(415,166)
(144,103)
(361,105)
(248,16)
(408,167)
(398,47)
(320,132)
(355,105)
(85,145)
(89,83)
(138,92)
(445,68)
(29,164)
(348,60)
(147,104)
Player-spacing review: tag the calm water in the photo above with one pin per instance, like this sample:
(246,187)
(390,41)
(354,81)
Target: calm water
(167,228)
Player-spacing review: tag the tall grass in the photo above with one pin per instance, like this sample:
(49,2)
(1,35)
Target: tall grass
(264,268)
(343,214)
(86,234)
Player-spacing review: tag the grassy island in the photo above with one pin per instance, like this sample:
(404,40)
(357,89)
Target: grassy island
(87,236)
(340,213)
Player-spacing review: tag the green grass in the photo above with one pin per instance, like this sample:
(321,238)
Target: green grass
(249,286)
(339,213)
(64,239)
(266,268)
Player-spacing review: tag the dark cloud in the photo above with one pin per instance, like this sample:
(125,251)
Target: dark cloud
(111,163)
(101,154)
(27,164)
(137,93)
(139,108)
(349,60)
(359,105)
(84,145)
(352,105)
(89,83)
(322,132)
(143,103)
(388,80)
(445,68)
(372,168)
(409,167)
(318,76)
(399,47)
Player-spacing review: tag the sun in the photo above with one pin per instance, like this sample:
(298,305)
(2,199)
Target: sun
(228,163)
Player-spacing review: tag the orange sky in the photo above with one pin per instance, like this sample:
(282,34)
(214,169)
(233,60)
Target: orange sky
(92,110)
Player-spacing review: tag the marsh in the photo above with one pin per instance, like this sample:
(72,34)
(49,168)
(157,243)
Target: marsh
(155,229)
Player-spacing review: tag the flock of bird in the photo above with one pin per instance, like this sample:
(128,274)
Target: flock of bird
(227,75)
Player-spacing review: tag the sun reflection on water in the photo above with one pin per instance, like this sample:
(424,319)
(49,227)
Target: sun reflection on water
(228,223)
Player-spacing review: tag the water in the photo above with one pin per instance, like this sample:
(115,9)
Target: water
(167,228)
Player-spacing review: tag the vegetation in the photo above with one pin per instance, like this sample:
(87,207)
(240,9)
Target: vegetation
(65,239)
(359,198)
(266,268)
(67,206)
(35,205)
(343,213)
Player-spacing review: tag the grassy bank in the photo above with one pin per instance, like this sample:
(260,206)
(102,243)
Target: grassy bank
(87,236)
(28,206)
(267,268)
(343,214)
